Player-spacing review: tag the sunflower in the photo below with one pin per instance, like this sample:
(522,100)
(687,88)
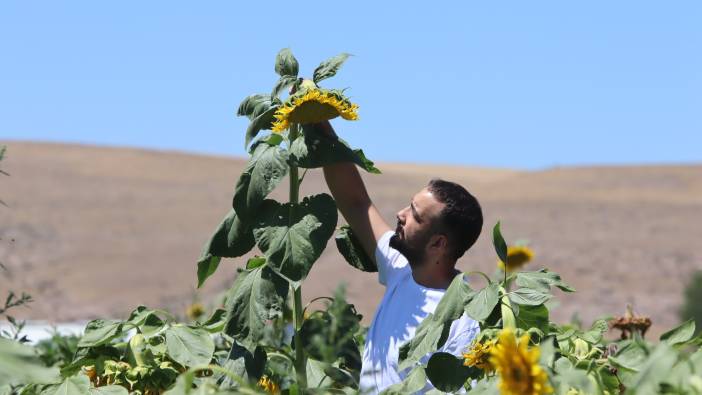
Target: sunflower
(195,311)
(312,106)
(517,256)
(479,354)
(268,385)
(518,367)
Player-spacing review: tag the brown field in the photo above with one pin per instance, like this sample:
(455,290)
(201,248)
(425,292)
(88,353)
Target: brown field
(93,231)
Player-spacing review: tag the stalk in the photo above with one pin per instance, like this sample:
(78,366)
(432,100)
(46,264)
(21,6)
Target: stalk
(300,358)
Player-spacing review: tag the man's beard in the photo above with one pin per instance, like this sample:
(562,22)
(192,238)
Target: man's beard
(413,252)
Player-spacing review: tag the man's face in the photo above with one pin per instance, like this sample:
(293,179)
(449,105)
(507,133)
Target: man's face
(415,226)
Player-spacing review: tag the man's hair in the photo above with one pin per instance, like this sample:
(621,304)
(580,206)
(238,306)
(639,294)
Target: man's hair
(461,218)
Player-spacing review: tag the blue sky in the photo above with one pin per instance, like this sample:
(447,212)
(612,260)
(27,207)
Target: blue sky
(509,84)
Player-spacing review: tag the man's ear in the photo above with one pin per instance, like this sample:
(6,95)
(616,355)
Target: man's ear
(439,241)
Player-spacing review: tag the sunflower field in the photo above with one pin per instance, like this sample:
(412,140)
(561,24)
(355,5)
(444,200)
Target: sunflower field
(265,340)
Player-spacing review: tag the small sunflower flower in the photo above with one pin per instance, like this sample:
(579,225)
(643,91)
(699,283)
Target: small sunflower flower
(268,385)
(479,355)
(517,257)
(312,106)
(518,366)
(195,311)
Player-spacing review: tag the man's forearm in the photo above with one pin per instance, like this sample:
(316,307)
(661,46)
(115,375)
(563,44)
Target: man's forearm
(346,186)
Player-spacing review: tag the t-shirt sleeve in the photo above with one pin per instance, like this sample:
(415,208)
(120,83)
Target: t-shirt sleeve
(390,262)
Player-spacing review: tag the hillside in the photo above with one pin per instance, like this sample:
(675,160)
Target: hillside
(94,231)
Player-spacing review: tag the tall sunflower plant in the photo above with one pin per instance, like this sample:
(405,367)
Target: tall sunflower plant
(289,236)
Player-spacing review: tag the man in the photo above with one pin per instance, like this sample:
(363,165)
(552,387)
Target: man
(416,263)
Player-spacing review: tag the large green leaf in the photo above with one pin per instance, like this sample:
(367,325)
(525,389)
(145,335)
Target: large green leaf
(293,236)
(499,242)
(653,371)
(264,121)
(542,280)
(432,332)
(255,105)
(329,67)
(313,149)
(232,238)
(532,317)
(446,372)
(257,297)
(265,170)
(20,364)
(189,346)
(483,302)
(350,248)
(529,296)
(284,82)
(74,385)
(286,64)
(99,332)
(415,381)
(243,363)
(679,334)
(109,390)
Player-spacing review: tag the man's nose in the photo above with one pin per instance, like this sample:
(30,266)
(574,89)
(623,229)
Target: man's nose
(401,215)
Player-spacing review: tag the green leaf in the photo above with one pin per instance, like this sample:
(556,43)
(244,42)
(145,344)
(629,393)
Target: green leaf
(264,121)
(597,330)
(653,371)
(109,390)
(446,372)
(255,105)
(189,346)
(243,363)
(528,296)
(293,236)
(483,302)
(20,364)
(631,356)
(329,67)
(313,149)
(415,381)
(99,332)
(265,170)
(74,385)
(286,64)
(499,242)
(216,322)
(350,248)
(256,298)
(284,82)
(679,334)
(542,280)
(255,262)
(231,239)
(533,317)
(431,333)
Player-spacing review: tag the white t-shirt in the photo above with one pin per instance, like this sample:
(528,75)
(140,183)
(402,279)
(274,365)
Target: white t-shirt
(404,306)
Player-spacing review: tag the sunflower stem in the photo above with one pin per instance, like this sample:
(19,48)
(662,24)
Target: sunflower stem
(300,358)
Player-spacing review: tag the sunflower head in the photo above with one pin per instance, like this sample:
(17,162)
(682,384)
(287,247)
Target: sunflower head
(268,385)
(518,366)
(313,105)
(517,257)
(479,355)
(195,311)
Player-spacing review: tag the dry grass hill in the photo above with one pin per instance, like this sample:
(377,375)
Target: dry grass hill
(94,231)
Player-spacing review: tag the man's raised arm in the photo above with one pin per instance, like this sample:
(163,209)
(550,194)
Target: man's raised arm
(347,187)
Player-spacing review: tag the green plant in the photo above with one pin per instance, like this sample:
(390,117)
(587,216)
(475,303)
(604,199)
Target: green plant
(692,308)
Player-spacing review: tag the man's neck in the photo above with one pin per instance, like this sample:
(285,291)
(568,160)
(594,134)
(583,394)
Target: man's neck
(430,275)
